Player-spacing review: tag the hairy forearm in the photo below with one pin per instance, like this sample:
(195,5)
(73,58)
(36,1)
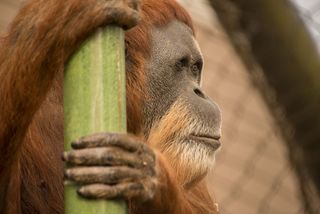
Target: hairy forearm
(39,42)
(25,79)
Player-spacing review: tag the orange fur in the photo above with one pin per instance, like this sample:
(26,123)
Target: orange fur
(32,56)
(167,136)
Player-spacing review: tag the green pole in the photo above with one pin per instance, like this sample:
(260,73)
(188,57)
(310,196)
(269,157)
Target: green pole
(94,101)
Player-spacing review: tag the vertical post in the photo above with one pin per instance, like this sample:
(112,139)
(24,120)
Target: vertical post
(94,101)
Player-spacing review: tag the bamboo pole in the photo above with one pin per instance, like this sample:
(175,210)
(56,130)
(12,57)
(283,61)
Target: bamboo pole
(94,101)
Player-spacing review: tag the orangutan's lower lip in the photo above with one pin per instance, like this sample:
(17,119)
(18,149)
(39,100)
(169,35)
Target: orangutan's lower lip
(210,141)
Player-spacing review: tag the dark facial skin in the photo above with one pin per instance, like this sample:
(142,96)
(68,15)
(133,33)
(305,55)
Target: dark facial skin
(174,72)
(114,165)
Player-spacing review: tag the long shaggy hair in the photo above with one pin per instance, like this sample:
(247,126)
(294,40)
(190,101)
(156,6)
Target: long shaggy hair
(190,159)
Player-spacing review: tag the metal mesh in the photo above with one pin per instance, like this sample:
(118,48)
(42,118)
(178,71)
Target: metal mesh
(253,173)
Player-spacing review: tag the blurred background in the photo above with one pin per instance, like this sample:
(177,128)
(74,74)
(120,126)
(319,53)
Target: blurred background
(262,67)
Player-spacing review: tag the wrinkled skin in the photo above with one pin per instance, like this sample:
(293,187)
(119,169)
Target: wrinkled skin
(110,165)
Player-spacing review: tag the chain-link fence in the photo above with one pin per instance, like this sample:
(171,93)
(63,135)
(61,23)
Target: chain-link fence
(253,172)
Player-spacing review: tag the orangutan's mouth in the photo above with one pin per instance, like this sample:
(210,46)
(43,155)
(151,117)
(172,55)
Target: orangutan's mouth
(211,141)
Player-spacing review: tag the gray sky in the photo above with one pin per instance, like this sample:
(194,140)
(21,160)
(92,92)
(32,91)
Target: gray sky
(310,12)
